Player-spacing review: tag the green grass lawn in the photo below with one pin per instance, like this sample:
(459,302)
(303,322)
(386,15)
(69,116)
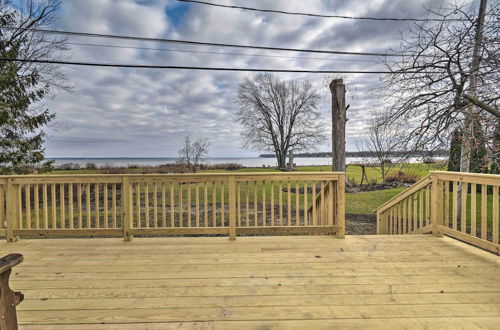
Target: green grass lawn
(366,202)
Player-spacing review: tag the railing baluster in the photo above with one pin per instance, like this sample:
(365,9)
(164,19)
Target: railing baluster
(181,210)
(289,202)
(306,204)
(163,205)
(138,204)
(36,205)
(232,215)
(421,208)
(97,205)
(197,204)
(495,216)
(238,202)
(446,220)
(105,204)
(484,212)
(473,211)
(45,207)
(455,205)
(223,204)
(297,204)
(272,204)
(463,210)
(80,206)
(71,206)
(146,204)
(189,204)
(255,205)
(205,190)
(214,204)
(27,195)
(314,215)
(62,205)
(172,205)
(247,202)
(113,204)
(155,205)
(87,201)
(280,193)
(264,204)
(404,218)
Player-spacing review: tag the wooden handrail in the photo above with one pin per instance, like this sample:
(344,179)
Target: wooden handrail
(406,193)
(170,204)
(447,203)
(8,298)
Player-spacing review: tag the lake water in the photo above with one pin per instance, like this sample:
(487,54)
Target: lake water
(246,162)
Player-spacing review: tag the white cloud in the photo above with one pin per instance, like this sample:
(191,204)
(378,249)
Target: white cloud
(134,112)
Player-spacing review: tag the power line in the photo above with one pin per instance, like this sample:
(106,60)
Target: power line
(320,15)
(218,53)
(204,68)
(199,43)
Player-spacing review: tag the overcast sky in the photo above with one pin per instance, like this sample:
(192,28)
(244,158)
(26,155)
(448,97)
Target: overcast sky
(146,113)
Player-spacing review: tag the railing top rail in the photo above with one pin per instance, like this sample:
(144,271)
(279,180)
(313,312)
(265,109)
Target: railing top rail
(478,178)
(174,175)
(467,174)
(406,193)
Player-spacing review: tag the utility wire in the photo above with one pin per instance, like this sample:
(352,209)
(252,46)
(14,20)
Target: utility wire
(204,68)
(199,43)
(218,53)
(320,15)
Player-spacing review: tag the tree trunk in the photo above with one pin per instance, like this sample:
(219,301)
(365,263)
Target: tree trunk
(468,134)
(337,89)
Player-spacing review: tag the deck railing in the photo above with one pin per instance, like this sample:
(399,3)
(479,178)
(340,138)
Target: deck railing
(193,204)
(461,205)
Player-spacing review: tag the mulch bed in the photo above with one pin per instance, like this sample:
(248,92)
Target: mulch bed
(361,224)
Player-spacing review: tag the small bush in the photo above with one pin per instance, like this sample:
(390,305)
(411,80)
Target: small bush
(68,166)
(90,166)
(401,177)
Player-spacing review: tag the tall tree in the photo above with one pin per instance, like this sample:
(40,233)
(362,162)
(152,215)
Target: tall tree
(455,151)
(432,75)
(24,85)
(495,150)
(478,157)
(20,138)
(279,115)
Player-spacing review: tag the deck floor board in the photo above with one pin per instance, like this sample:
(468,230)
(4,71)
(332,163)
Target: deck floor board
(286,282)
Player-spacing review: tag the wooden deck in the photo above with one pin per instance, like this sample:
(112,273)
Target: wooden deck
(293,282)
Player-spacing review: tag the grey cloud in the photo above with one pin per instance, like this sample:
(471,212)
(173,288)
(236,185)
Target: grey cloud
(133,112)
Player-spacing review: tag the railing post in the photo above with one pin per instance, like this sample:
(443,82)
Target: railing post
(340,205)
(232,207)
(435,206)
(11,210)
(126,209)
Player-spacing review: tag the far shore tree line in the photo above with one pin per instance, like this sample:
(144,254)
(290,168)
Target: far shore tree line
(443,87)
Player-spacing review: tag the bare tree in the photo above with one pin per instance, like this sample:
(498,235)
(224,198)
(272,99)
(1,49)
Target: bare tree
(383,146)
(279,116)
(429,84)
(17,31)
(191,153)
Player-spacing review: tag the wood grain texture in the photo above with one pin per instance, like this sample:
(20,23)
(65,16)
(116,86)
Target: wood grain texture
(279,282)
